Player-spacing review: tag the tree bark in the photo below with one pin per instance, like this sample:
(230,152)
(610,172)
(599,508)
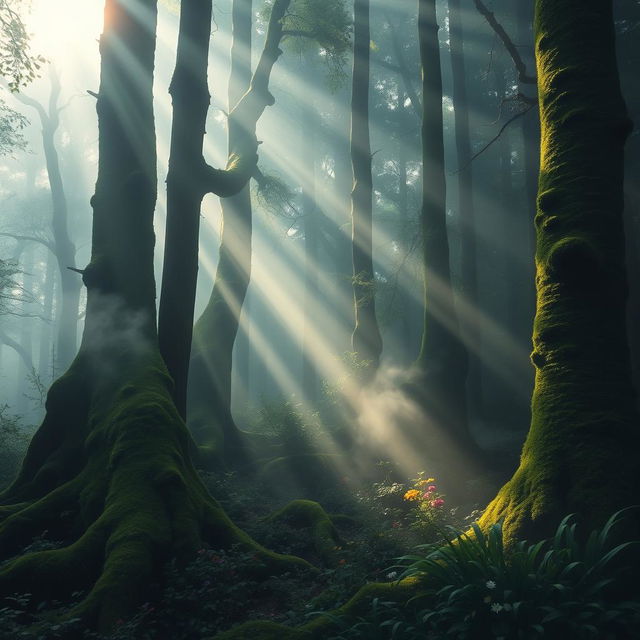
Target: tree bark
(190,178)
(215,332)
(366,339)
(442,361)
(109,471)
(466,210)
(578,456)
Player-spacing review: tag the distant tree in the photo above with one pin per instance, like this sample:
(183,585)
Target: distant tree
(442,362)
(580,453)
(62,245)
(366,339)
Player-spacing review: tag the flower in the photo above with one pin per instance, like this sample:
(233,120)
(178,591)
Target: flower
(430,480)
(393,575)
(412,494)
(431,488)
(436,503)
(490,584)
(496,607)
(427,495)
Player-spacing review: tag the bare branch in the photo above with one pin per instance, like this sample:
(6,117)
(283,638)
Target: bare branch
(495,138)
(521,68)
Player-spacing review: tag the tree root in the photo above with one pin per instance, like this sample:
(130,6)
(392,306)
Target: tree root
(309,514)
(136,498)
(320,627)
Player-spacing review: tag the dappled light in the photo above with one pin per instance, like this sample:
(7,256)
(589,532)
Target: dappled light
(312,313)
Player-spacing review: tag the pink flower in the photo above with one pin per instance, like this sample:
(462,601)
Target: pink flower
(436,503)
(431,487)
(427,495)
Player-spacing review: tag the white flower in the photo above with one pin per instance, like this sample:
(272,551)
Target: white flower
(496,607)
(393,575)
(491,584)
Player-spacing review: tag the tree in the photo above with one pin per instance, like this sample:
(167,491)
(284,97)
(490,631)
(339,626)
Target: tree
(216,330)
(209,383)
(442,361)
(190,178)
(466,210)
(578,456)
(17,63)
(366,339)
(62,245)
(109,470)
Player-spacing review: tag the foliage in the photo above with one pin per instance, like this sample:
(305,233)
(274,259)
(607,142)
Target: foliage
(17,64)
(275,196)
(13,445)
(11,125)
(327,24)
(565,587)
(8,285)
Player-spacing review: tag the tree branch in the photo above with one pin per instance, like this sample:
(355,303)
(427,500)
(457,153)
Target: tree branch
(521,68)
(22,238)
(495,138)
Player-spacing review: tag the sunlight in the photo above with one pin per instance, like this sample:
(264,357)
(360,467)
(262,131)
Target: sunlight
(63,28)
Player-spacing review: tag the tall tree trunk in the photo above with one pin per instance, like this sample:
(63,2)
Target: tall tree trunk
(442,361)
(25,338)
(111,459)
(310,122)
(579,456)
(44,357)
(210,369)
(466,211)
(366,339)
(190,178)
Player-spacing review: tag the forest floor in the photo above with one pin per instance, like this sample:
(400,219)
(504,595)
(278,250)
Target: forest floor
(371,525)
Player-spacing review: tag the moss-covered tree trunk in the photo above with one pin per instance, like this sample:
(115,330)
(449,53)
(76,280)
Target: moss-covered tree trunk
(580,454)
(366,339)
(214,334)
(108,472)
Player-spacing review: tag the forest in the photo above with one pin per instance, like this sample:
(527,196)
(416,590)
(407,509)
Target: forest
(319,319)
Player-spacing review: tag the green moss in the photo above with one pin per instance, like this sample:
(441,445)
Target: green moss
(136,497)
(584,420)
(320,627)
(309,514)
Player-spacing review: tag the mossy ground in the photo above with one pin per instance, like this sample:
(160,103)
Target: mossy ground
(208,585)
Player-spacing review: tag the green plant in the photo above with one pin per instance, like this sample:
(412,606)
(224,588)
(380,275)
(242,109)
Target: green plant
(474,588)
(562,587)
(13,445)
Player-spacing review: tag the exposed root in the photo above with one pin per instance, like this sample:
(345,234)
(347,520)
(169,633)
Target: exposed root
(319,628)
(309,514)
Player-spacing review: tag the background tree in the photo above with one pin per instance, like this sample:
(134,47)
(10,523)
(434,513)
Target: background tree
(366,339)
